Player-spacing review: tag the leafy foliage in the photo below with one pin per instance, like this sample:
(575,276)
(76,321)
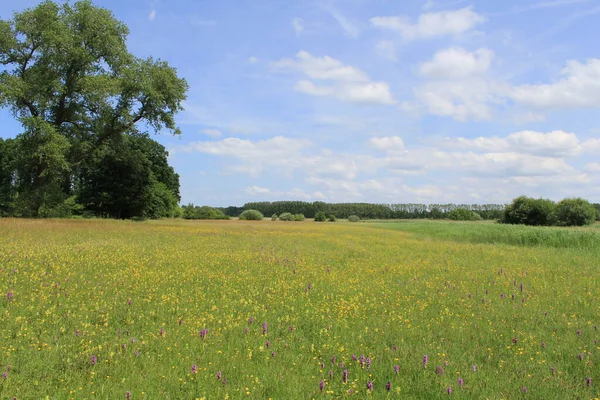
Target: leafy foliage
(462,214)
(528,211)
(80,95)
(194,212)
(274,217)
(299,217)
(286,216)
(320,217)
(353,218)
(252,215)
(575,212)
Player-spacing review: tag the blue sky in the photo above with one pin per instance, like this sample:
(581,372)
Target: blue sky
(376,100)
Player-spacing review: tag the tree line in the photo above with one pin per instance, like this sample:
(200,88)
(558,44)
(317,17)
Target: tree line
(84,103)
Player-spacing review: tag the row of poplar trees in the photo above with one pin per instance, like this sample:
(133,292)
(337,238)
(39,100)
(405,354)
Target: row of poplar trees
(86,106)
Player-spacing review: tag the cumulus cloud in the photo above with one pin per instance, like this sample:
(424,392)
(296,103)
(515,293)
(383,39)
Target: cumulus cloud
(348,83)
(579,88)
(390,144)
(433,24)
(457,63)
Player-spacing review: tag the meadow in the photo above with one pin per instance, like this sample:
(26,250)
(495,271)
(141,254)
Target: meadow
(274,310)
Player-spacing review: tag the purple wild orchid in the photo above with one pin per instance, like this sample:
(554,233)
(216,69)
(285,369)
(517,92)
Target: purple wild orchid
(388,386)
(264,328)
(345,376)
(370,386)
(396,368)
(425,360)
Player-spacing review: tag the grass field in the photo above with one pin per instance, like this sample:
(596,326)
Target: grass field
(232,309)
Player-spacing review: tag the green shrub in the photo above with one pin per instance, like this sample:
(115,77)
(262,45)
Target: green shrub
(331,218)
(274,217)
(575,212)
(286,216)
(299,217)
(528,211)
(353,218)
(251,215)
(462,214)
(320,217)
(205,212)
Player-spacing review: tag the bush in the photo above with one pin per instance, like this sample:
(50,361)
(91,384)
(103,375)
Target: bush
(274,217)
(575,212)
(353,218)
(320,217)
(205,212)
(528,211)
(462,214)
(299,217)
(331,218)
(251,215)
(286,216)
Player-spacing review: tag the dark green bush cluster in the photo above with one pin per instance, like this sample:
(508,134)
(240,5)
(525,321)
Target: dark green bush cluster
(205,212)
(462,214)
(543,212)
(286,216)
(353,218)
(251,215)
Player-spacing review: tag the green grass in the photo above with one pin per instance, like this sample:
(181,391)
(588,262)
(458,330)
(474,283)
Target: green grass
(107,289)
(587,238)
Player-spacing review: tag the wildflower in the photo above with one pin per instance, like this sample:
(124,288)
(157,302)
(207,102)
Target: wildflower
(93,360)
(362,360)
(194,369)
(580,357)
(425,360)
(4,375)
(543,345)
(130,302)
(439,370)
(524,390)
(219,375)
(273,354)
(161,332)
(474,367)
(515,340)
(370,386)
(128,395)
(268,344)
(449,390)
(341,365)
(522,287)
(396,368)
(588,381)
(10,296)
(264,328)
(333,359)
(345,376)
(137,353)
(395,348)
(354,357)
(552,371)
(251,320)
(292,328)
(322,385)
(460,382)
(368,362)
(579,332)
(180,321)
(246,330)
(330,375)
(224,381)
(203,333)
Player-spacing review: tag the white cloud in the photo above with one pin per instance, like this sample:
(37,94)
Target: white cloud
(592,167)
(350,28)
(457,63)
(152,15)
(298,25)
(257,190)
(350,84)
(211,132)
(322,68)
(431,25)
(551,144)
(253,60)
(389,144)
(579,88)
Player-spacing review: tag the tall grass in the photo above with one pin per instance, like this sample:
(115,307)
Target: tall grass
(517,235)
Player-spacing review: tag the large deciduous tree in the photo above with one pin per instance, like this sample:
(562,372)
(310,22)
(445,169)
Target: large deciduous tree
(68,77)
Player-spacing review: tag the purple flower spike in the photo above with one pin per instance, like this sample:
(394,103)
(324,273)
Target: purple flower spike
(552,371)
(161,332)
(579,332)
(130,302)
(333,359)
(224,381)
(580,356)
(93,360)
(396,368)
(330,375)
(203,333)
(137,353)
(395,348)
(194,369)
(425,360)
(345,376)
(246,330)
(251,320)
(322,385)
(439,370)
(588,381)
(368,362)
(5,375)
(388,386)
(449,390)
(292,328)
(341,365)
(524,390)
(219,375)
(460,382)
(354,357)
(322,365)
(180,321)
(10,296)
(128,395)
(264,328)
(362,360)
(273,354)
(268,344)
(543,345)
(474,367)
(370,386)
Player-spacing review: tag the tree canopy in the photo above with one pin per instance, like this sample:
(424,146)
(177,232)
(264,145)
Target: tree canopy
(84,101)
